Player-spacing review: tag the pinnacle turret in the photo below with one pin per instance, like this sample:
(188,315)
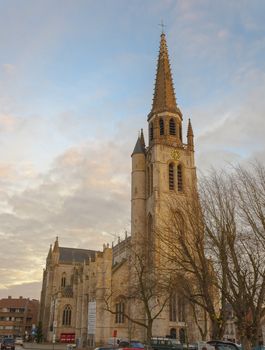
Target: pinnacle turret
(164,99)
(140,144)
(56,245)
(190,136)
(49,256)
(190,131)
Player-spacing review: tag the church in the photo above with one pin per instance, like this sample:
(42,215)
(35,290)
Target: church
(84,292)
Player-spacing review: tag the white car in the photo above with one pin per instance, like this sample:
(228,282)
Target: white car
(19,341)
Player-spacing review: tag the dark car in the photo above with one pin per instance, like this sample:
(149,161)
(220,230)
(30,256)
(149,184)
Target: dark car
(223,345)
(8,344)
(106,348)
(161,343)
(133,344)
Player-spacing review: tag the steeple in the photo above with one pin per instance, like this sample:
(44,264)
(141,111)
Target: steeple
(164,99)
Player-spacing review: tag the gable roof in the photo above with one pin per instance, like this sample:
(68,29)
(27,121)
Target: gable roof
(75,254)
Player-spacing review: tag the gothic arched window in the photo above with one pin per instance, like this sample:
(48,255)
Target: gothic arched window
(151,178)
(173,308)
(63,280)
(181,309)
(182,336)
(148,181)
(119,312)
(180,178)
(67,315)
(151,131)
(161,126)
(150,240)
(150,228)
(172,127)
(171,184)
(173,333)
(180,133)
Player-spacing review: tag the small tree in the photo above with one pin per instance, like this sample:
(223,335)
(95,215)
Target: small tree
(39,334)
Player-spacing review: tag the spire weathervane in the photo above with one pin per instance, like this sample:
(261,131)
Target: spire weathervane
(162,25)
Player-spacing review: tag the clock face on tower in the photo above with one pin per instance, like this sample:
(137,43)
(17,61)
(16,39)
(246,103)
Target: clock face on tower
(175,154)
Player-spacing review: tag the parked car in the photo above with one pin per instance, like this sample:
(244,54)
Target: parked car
(132,344)
(161,343)
(19,341)
(8,344)
(223,345)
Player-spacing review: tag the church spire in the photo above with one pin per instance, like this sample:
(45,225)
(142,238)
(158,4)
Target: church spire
(164,99)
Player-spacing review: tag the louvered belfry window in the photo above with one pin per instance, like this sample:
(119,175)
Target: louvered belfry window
(151,131)
(161,126)
(171,176)
(172,127)
(180,180)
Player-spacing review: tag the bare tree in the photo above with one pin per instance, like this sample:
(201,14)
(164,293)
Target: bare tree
(234,217)
(182,236)
(148,288)
(217,247)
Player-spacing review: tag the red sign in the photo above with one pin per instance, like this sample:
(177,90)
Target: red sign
(67,337)
(114,333)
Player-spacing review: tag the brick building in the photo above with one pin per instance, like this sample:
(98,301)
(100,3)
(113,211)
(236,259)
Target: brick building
(17,316)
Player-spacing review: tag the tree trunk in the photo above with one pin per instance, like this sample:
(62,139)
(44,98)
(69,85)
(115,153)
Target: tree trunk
(246,343)
(217,331)
(149,331)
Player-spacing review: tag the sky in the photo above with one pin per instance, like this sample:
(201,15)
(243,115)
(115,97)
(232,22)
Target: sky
(76,86)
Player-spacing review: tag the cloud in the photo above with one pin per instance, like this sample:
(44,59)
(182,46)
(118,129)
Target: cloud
(7,123)
(66,137)
(84,199)
(8,68)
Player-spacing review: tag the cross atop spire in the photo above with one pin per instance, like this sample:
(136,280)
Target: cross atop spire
(162,25)
(164,99)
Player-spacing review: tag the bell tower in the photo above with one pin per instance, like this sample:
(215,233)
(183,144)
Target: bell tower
(166,166)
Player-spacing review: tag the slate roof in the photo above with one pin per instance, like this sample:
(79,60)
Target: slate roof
(139,147)
(75,254)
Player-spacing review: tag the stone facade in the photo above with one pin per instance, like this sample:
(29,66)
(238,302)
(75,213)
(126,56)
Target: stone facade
(76,281)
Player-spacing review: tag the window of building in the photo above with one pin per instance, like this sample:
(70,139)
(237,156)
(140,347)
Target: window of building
(151,131)
(173,333)
(119,316)
(148,181)
(182,335)
(151,178)
(180,180)
(173,308)
(172,127)
(67,315)
(181,309)
(171,183)
(63,280)
(161,126)
(180,132)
